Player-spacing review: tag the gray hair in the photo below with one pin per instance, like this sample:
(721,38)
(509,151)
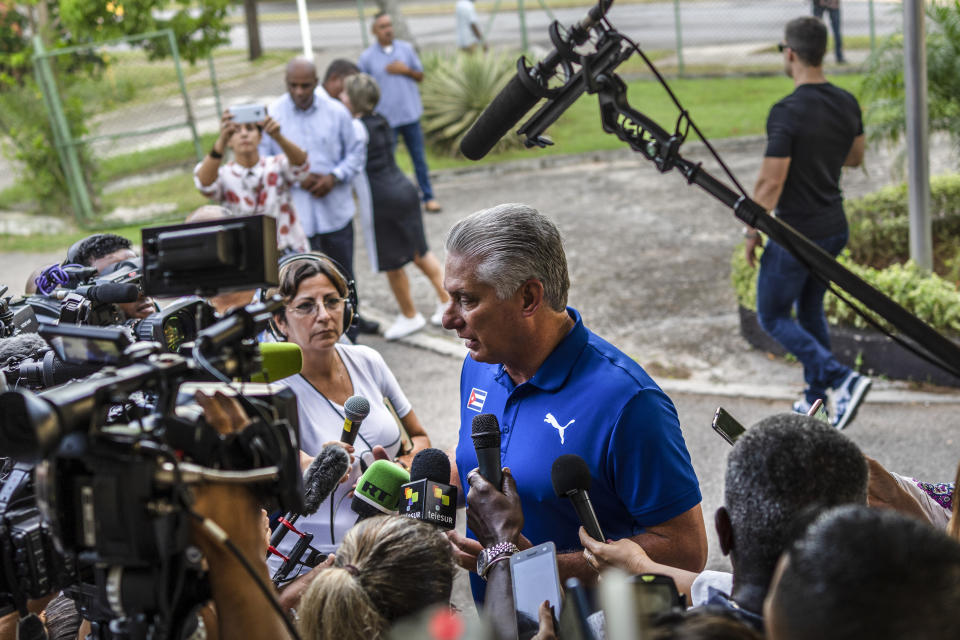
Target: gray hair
(510,244)
(779,470)
(363,92)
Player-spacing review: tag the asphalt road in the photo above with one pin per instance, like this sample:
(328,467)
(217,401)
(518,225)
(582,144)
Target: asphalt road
(650,24)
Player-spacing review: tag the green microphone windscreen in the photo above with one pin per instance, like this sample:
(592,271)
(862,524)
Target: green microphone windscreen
(280,359)
(378,490)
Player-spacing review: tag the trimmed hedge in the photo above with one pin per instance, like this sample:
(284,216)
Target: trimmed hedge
(878,252)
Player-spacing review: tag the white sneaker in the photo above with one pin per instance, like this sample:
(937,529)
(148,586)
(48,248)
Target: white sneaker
(404,326)
(437,318)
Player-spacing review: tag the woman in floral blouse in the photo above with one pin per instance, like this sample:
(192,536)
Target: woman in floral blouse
(250,185)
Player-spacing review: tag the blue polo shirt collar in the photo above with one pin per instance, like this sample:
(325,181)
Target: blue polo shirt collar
(559,364)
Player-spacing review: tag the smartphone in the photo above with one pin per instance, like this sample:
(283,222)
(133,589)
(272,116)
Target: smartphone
(655,594)
(819,411)
(243,113)
(727,426)
(535,579)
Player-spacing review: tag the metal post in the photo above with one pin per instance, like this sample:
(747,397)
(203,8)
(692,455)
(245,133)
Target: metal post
(305,29)
(918,154)
(191,121)
(523,25)
(679,32)
(363,24)
(76,184)
(216,87)
(873,27)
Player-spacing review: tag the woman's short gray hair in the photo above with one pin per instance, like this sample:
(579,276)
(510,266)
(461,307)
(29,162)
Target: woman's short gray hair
(363,92)
(510,244)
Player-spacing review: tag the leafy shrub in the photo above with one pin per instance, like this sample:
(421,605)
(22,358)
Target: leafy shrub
(456,91)
(928,296)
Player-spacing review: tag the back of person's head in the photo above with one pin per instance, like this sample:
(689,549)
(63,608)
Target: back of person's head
(510,244)
(340,68)
(807,36)
(702,623)
(99,245)
(386,568)
(363,92)
(778,470)
(867,573)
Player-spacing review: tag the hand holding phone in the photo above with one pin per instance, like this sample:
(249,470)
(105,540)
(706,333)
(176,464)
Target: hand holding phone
(535,579)
(727,426)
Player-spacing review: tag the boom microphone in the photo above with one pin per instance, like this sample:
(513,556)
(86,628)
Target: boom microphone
(517,98)
(427,496)
(355,409)
(486,440)
(319,480)
(106,293)
(378,489)
(570,476)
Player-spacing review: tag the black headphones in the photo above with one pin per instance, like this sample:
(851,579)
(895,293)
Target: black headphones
(335,273)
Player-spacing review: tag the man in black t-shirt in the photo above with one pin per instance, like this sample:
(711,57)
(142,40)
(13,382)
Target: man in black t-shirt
(811,135)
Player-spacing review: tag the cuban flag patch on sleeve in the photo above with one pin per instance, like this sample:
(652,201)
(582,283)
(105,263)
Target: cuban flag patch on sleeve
(476,400)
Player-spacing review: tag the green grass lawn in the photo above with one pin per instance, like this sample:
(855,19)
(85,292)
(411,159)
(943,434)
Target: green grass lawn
(722,107)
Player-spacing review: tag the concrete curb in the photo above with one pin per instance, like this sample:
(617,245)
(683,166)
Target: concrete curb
(787,393)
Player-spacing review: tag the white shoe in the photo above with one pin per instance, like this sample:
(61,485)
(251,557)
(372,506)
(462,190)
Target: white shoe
(437,318)
(404,326)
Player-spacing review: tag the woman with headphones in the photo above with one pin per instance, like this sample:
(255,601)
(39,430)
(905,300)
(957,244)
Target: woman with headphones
(319,305)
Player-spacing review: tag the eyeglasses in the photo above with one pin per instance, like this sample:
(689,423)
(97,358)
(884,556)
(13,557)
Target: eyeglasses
(781,46)
(310,307)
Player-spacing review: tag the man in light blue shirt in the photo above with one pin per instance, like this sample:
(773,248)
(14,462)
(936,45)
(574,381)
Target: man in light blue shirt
(324,128)
(397,69)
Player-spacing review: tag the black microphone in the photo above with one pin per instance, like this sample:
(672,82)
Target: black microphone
(570,476)
(427,496)
(517,98)
(486,440)
(319,481)
(106,293)
(355,410)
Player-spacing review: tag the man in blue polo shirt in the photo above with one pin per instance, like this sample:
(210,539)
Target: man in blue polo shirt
(395,66)
(557,388)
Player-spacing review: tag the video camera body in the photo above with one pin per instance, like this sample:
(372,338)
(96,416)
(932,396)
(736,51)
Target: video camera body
(112,510)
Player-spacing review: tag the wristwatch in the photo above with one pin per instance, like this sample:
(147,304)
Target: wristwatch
(492,555)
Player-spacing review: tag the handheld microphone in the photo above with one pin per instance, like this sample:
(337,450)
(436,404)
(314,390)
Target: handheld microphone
(570,476)
(106,293)
(427,496)
(378,489)
(319,481)
(519,96)
(486,440)
(355,409)
(280,360)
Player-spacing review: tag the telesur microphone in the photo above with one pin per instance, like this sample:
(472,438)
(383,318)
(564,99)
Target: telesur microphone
(319,480)
(280,360)
(522,93)
(486,440)
(570,476)
(427,496)
(355,410)
(378,489)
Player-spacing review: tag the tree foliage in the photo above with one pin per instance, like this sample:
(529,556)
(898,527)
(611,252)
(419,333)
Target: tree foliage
(883,88)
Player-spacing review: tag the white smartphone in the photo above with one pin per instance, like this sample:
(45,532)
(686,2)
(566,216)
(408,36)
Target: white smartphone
(535,579)
(243,113)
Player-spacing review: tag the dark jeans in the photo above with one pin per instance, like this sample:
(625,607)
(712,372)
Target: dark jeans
(413,139)
(782,284)
(339,246)
(834,24)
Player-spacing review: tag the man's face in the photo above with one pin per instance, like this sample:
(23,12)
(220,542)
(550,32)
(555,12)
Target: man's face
(143,306)
(383,30)
(334,86)
(488,324)
(301,83)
